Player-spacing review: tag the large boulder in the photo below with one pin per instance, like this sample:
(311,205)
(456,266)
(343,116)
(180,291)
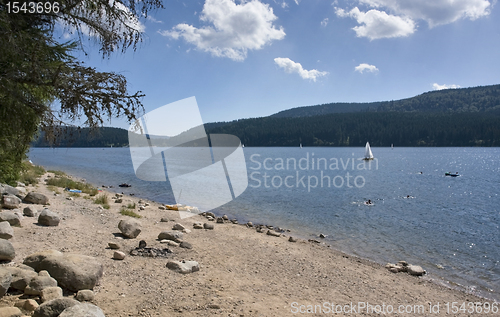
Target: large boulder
(7,252)
(30,211)
(54,307)
(82,310)
(11,217)
(10,201)
(20,277)
(72,271)
(7,189)
(48,218)
(38,284)
(36,198)
(130,228)
(170,235)
(5,280)
(6,231)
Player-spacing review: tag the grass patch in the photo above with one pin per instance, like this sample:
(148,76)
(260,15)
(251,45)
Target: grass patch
(71,194)
(31,173)
(128,212)
(57,173)
(131,206)
(65,182)
(54,189)
(101,199)
(105,206)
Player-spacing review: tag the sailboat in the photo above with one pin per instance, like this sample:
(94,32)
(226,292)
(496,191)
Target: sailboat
(368,152)
(300,145)
(392,146)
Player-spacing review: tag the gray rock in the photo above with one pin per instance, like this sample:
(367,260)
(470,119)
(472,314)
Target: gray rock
(50,293)
(208,226)
(38,284)
(178,226)
(273,233)
(20,277)
(55,307)
(118,255)
(6,231)
(30,305)
(118,201)
(33,261)
(183,267)
(5,280)
(72,271)
(36,198)
(185,245)
(7,189)
(11,218)
(48,218)
(225,217)
(7,252)
(197,225)
(85,295)
(82,310)
(219,220)
(113,245)
(322,236)
(10,312)
(170,235)
(415,270)
(292,239)
(130,228)
(10,201)
(210,214)
(249,224)
(164,219)
(234,221)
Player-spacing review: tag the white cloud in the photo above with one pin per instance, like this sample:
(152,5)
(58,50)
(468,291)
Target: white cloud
(150,18)
(435,12)
(292,67)
(436,86)
(324,22)
(234,28)
(297,2)
(369,68)
(377,24)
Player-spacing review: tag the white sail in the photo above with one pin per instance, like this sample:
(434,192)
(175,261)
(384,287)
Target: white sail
(368,152)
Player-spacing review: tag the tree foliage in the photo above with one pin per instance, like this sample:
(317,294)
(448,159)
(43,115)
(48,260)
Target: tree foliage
(43,85)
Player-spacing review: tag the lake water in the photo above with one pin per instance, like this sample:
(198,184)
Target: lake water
(449,225)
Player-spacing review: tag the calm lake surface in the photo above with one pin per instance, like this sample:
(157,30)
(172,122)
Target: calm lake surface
(449,225)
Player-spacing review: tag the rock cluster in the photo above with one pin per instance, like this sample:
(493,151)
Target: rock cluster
(403,266)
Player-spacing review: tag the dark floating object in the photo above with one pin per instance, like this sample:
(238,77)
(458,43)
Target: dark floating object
(125,185)
(451,174)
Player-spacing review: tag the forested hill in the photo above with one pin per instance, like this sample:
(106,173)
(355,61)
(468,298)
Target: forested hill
(74,137)
(453,117)
(379,128)
(475,99)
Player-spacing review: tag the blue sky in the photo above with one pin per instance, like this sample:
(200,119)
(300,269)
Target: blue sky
(244,59)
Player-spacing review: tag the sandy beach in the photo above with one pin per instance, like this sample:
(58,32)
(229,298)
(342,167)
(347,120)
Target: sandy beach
(242,272)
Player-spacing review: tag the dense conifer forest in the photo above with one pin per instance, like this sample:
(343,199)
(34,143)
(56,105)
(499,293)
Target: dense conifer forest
(453,117)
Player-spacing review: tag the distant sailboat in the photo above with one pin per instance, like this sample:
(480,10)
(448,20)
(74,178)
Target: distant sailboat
(392,146)
(368,152)
(300,145)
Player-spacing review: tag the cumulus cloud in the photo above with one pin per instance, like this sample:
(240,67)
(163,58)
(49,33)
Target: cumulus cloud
(233,29)
(436,86)
(324,22)
(365,67)
(435,12)
(292,67)
(377,24)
